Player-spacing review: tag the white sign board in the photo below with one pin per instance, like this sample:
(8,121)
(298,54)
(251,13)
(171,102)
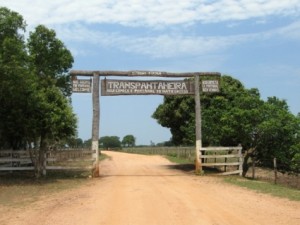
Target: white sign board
(210,86)
(82,86)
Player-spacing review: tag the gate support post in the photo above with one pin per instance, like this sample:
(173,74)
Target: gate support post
(95,127)
(198,166)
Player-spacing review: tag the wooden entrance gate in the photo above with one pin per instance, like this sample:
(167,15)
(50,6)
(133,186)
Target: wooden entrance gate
(209,83)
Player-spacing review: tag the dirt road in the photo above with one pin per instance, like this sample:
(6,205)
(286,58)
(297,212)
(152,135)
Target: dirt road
(142,190)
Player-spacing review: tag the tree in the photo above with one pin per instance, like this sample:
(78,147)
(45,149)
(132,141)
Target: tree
(178,114)
(50,59)
(108,142)
(16,82)
(73,142)
(52,119)
(87,143)
(128,140)
(235,116)
(33,88)
(277,135)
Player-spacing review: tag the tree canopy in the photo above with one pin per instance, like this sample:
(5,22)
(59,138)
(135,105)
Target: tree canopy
(108,142)
(236,115)
(33,87)
(128,141)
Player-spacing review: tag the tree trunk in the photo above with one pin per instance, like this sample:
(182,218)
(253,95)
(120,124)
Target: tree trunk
(248,154)
(40,158)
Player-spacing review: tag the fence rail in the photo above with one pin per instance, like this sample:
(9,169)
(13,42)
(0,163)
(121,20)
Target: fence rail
(223,156)
(11,160)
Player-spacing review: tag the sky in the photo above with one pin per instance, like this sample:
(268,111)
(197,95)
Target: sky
(254,41)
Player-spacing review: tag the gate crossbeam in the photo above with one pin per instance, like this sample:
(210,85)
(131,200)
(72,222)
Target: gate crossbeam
(140,73)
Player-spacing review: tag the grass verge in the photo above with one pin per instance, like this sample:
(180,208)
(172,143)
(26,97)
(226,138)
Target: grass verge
(259,186)
(20,188)
(265,187)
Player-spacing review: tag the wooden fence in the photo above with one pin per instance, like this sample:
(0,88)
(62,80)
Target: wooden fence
(11,160)
(230,158)
(223,157)
(74,159)
(179,152)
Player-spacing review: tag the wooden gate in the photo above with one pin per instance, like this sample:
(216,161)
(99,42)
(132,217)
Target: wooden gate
(223,157)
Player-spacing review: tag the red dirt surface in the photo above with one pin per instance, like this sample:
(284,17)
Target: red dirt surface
(140,190)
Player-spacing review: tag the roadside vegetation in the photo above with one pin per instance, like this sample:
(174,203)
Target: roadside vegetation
(266,129)
(21,187)
(265,187)
(35,89)
(184,157)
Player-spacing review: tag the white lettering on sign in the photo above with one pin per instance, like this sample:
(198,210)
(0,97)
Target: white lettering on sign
(82,86)
(145,73)
(210,86)
(123,87)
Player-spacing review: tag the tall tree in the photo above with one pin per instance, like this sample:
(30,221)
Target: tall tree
(50,59)
(277,134)
(33,86)
(16,82)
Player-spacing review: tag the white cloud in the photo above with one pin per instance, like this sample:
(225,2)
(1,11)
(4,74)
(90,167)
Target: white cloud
(291,31)
(150,13)
(159,46)
(166,45)
(69,18)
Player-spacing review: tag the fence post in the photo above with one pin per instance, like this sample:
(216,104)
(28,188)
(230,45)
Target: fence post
(275,170)
(241,160)
(253,168)
(198,125)
(45,164)
(11,163)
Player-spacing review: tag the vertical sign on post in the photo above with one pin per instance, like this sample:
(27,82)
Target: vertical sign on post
(95,129)
(198,166)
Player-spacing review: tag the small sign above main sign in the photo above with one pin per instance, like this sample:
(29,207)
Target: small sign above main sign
(82,86)
(153,87)
(210,86)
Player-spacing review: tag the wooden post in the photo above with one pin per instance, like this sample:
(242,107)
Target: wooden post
(241,161)
(253,168)
(275,170)
(95,128)
(198,166)
(45,164)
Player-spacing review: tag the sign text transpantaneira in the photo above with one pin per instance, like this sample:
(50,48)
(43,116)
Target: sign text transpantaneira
(153,87)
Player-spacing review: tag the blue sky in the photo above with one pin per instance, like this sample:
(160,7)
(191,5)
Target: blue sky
(255,41)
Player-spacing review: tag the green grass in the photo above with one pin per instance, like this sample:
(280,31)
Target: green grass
(175,159)
(265,187)
(259,186)
(20,188)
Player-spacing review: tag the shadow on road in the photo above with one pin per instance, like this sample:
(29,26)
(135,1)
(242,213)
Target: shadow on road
(189,168)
